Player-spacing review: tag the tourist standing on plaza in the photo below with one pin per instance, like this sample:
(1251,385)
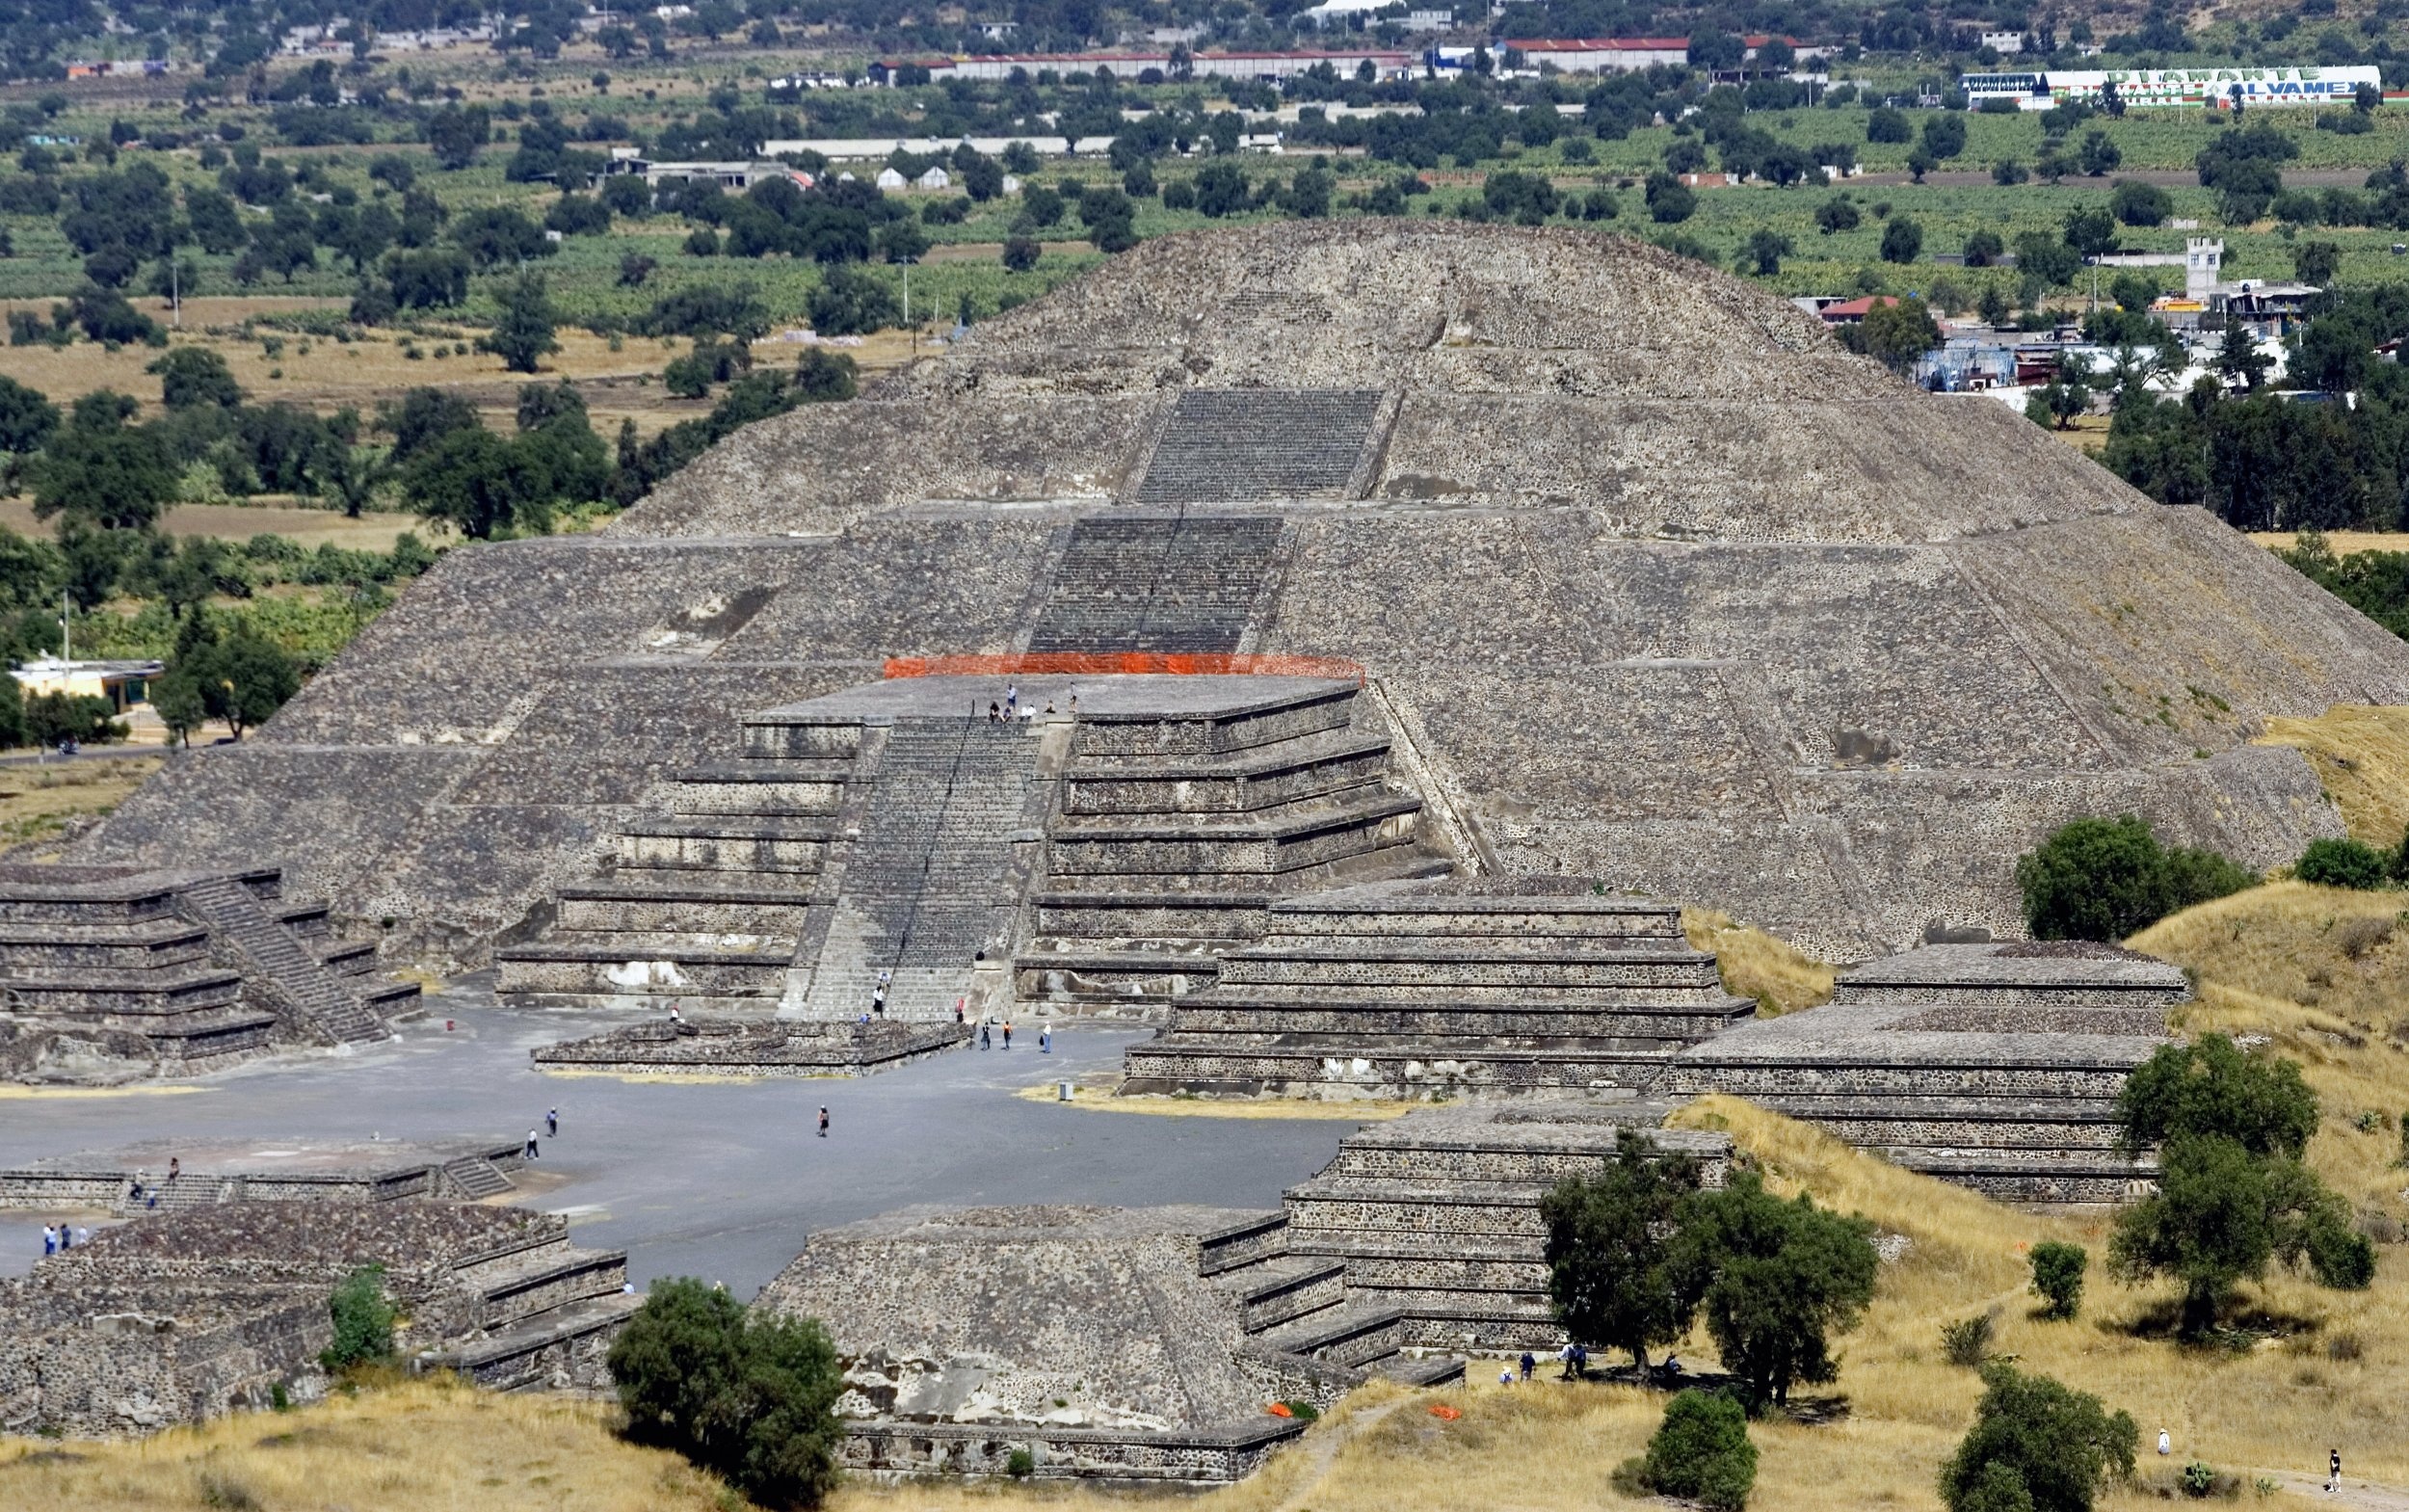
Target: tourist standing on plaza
(1007,1034)
(823,1123)
(531,1144)
(1012,699)
(551,1123)
(49,1240)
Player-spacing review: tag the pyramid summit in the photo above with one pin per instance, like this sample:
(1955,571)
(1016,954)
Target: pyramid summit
(1570,557)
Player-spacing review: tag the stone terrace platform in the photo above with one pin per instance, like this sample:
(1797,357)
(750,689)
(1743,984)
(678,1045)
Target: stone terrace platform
(110,973)
(1434,1218)
(133,1180)
(180,1316)
(1995,1066)
(1491,986)
(778,1048)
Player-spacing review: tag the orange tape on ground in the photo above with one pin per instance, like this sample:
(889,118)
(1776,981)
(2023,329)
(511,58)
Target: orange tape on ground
(1107,664)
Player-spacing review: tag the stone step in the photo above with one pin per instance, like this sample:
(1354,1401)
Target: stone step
(474,1176)
(1403,1069)
(1284,1291)
(151,945)
(2014,1076)
(2012,1180)
(1244,782)
(1157,583)
(579,966)
(235,916)
(1143,914)
(559,1277)
(1253,445)
(1292,710)
(1068,976)
(1421,1370)
(1353,1336)
(117,992)
(530,1354)
(1224,1011)
(1264,846)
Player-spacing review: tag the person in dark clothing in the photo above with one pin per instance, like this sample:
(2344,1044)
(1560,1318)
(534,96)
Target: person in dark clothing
(985,1040)
(552,1122)
(1007,1034)
(823,1123)
(878,1000)
(1527,1364)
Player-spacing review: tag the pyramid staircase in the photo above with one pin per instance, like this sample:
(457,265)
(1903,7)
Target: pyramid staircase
(541,1314)
(188,970)
(1173,837)
(1414,988)
(1423,1237)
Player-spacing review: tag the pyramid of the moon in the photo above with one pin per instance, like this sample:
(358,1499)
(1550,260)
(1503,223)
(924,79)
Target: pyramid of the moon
(1647,581)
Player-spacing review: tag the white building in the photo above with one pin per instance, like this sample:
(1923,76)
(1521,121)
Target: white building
(2197,87)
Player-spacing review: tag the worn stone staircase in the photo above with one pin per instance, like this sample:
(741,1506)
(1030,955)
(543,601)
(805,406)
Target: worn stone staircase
(1411,988)
(930,885)
(1422,1236)
(1155,583)
(271,955)
(476,1177)
(1173,837)
(1245,445)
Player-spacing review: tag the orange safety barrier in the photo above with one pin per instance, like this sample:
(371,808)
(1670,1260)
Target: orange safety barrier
(1107,664)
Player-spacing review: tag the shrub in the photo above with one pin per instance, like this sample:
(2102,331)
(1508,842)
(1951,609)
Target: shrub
(2035,1445)
(1701,1451)
(2198,1478)
(2057,1277)
(751,1399)
(364,1321)
(2105,879)
(2342,863)
(1020,1463)
(1967,1342)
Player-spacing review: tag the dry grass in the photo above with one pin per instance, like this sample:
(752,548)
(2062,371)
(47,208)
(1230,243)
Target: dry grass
(1782,977)
(421,1447)
(2361,753)
(36,801)
(372,368)
(307,528)
(2343,542)
(2329,948)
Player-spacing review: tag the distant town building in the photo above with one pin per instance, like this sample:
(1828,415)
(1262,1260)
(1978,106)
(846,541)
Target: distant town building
(2004,42)
(123,683)
(2197,87)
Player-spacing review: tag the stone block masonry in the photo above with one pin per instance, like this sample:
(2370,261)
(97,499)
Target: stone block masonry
(177,1317)
(1664,589)
(1995,1066)
(114,973)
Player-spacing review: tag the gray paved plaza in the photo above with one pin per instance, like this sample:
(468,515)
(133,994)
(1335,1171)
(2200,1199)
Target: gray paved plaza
(721,1181)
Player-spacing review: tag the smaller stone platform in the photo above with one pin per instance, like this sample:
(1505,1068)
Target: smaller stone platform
(1124,1344)
(753,1047)
(133,1180)
(1996,1066)
(1505,986)
(115,973)
(175,1317)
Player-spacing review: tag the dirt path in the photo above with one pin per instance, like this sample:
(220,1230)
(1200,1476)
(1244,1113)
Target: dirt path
(2358,1496)
(1321,1450)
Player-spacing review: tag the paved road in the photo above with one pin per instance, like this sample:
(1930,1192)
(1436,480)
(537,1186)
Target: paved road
(721,1181)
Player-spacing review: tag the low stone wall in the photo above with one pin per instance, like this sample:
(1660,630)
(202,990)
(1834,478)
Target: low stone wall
(895,1449)
(755,1049)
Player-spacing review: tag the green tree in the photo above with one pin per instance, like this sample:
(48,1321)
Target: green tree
(1896,333)
(751,1399)
(191,378)
(464,478)
(27,417)
(2233,1193)
(1610,1249)
(2342,863)
(2239,358)
(1021,253)
(2315,262)
(2105,879)
(1775,1280)
(2057,1277)
(2038,1446)
(1984,248)
(455,134)
(2091,232)
(1670,201)
(853,302)
(1762,252)
(523,335)
(1837,214)
(2099,156)
(246,678)
(1701,1453)
(1902,240)
(99,471)
(364,1321)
